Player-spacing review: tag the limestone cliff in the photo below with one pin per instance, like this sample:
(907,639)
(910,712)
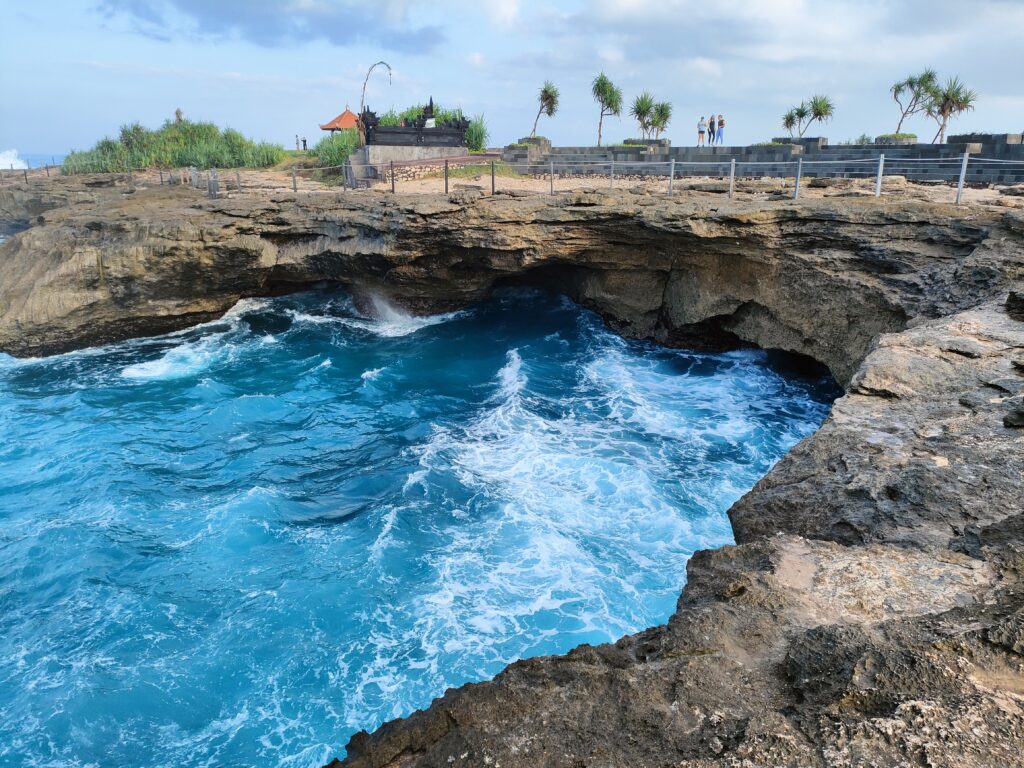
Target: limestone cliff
(871,612)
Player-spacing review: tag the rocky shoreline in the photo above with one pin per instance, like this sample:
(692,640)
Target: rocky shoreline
(871,611)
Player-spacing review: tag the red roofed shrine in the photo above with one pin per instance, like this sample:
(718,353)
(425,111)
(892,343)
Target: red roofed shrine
(342,122)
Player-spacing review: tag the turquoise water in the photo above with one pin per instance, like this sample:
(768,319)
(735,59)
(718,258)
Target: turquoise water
(239,544)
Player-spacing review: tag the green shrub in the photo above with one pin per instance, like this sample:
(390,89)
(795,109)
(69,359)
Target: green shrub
(334,149)
(477,134)
(898,136)
(176,144)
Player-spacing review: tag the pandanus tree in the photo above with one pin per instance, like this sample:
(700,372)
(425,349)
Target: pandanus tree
(799,118)
(643,112)
(608,97)
(548,98)
(660,118)
(948,101)
(913,94)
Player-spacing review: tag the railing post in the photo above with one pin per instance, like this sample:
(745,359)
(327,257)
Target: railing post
(295,182)
(161,177)
(25,171)
(963,176)
(671,174)
(611,174)
(446,177)
(799,173)
(47,166)
(238,181)
(492,177)
(732,177)
(392,177)
(878,179)
(551,176)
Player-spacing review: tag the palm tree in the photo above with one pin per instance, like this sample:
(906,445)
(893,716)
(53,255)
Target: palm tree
(548,98)
(643,111)
(948,101)
(917,89)
(609,97)
(821,108)
(800,117)
(660,117)
(789,121)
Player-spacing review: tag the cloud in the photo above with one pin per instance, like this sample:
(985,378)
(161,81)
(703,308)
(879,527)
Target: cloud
(503,11)
(273,23)
(476,59)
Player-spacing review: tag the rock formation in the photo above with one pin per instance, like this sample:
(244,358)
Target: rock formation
(871,611)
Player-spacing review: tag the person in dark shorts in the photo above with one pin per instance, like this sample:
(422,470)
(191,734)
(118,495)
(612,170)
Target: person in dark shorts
(702,128)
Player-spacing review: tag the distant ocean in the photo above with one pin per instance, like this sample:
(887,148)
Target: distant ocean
(9,158)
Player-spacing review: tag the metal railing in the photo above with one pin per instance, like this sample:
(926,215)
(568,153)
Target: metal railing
(353,176)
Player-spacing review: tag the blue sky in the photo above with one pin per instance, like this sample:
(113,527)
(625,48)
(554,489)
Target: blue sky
(72,72)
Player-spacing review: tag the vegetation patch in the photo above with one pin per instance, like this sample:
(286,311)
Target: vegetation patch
(179,143)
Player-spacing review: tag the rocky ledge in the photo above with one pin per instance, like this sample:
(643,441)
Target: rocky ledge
(871,612)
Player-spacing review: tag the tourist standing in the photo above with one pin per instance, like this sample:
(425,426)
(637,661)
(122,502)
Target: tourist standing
(711,129)
(702,127)
(296,142)
(721,129)
(303,143)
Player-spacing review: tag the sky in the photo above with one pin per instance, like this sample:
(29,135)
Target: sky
(73,72)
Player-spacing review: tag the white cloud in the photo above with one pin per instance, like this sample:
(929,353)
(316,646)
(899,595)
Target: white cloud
(476,59)
(703,67)
(503,11)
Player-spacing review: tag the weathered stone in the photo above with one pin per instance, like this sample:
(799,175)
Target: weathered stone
(870,612)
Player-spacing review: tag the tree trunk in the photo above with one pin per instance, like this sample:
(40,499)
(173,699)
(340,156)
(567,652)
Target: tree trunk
(900,123)
(940,135)
(599,123)
(536,120)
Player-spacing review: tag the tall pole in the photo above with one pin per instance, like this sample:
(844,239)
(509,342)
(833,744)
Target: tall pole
(732,177)
(446,177)
(492,177)
(551,175)
(392,177)
(671,174)
(799,173)
(611,174)
(963,177)
(878,178)
(362,99)
(295,183)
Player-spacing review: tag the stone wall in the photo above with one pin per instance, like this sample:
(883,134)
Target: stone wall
(779,159)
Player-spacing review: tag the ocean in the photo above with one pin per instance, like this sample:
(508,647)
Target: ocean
(241,543)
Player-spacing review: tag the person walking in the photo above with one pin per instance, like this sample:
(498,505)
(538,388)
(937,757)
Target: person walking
(720,135)
(702,127)
(711,129)
(303,143)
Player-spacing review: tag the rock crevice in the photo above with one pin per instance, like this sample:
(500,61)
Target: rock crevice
(871,611)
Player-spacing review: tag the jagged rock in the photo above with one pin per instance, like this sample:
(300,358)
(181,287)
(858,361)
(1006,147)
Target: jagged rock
(871,610)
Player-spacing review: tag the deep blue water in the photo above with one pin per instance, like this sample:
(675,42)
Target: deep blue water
(238,544)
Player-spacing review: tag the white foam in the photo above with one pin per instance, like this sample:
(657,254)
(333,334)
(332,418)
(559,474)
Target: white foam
(371,374)
(9,159)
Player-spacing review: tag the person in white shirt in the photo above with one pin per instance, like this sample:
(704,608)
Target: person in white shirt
(702,128)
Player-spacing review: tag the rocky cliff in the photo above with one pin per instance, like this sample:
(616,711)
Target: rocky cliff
(871,611)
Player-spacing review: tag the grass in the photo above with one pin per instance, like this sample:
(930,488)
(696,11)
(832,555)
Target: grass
(483,170)
(335,148)
(898,136)
(176,144)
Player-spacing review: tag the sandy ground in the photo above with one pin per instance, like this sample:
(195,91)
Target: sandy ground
(274,182)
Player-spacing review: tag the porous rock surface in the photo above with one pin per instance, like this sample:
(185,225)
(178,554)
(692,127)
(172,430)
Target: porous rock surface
(871,612)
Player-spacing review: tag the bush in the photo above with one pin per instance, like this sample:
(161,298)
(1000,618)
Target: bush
(176,144)
(477,134)
(898,136)
(334,149)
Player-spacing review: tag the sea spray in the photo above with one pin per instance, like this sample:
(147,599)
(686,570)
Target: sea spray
(219,550)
